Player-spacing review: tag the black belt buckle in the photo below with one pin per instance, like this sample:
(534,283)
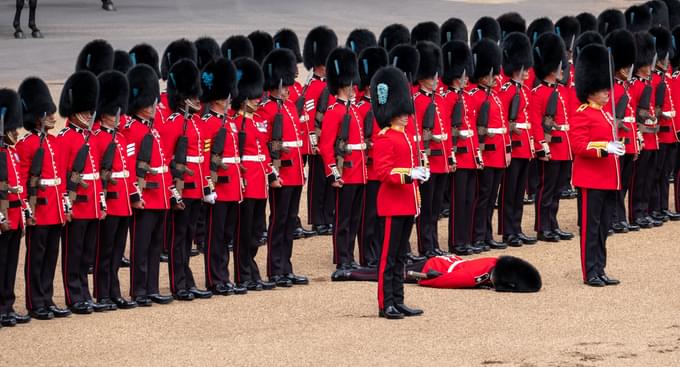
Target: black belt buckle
(461,150)
(516,143)
(287,163)
(223,179)
(81,199)
(436,153)
(110,195)
(490,147)
(556,139)
(190,185)
(41,201)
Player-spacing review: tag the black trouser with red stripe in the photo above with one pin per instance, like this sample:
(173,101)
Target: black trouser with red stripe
(320,194)
(464,190)
(79,242)
(113,231)
(432,195)
(596,207)
(220,221)
(245,243)
(553,176)
(370,232)
(284,203)
(42,251)
(391,269)
(348,209)
(183,226)
(534,178)
(512,190)
(9,259)
(665,162)
(626,170)
(148,232)
(642,183)
(489,180)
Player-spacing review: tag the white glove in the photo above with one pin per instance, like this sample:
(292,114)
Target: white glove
(210,198)
(616,148)
(421,174)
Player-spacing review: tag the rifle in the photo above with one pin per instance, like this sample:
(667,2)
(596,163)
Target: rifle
(368,128)
(341,143)
(548,121)
(276,143)
(483,117)
(622,103)
(4,176)
(75,178)
(422,155)
(241,146)
(611,90)
(300,105)
(428,118)
(321,108)
(660,92)
(34,173)
(514,104)
(217,147)
(106,168)
(179,164)
(644,106)
(143,164)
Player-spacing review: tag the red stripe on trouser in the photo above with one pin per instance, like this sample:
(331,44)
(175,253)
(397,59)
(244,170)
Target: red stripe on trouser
(452,212)
(96,261)
(360,240)
(539,199)
(501,209)
(27,271)
(631,191)
(64,264)
(208,254)
(335,232)
(269,235)
(383,261)
(171,257)
(132,253)
(584,230)
(237,247)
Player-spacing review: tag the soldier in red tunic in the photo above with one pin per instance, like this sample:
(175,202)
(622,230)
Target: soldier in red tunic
(597,149)
(40,174)
(80,176)
(515,96)
(342,148)
(397,163)
(285,143)
(11,206)
(117,185)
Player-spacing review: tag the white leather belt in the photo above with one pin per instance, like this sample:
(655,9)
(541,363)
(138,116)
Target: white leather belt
(120,174)
(253,158)
(668,114)
(562,127)
(523,125)
(292,144)
(158,170)
(50,181)
(498,130)
(90,176)
(195,159)
(629,119)
(466,133)
(441,136)
(232,160)
(16,189)
(361,146)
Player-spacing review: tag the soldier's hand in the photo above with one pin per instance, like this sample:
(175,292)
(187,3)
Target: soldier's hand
(338,183)
(179,206)
(102,216)
(545,158)
(138,204)
(276,184)
(68,217)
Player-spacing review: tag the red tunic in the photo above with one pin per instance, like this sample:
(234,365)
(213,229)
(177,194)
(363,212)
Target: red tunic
(50,207)
(255,156)
(16,190)
(497,151)
(228,186)
(667,132)
(522,135)
(292,170)
(630,137)
(458,272)
(87,204)
(559,146)
(441,150)
(118,194)
(354,168)
(594,168)
(467,145)
(363,107)
(395,156)
(637,85)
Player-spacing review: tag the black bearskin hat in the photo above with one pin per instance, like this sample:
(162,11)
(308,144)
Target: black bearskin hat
(426,31)
(96,57)
(394,35)
(569,29)
(320,41)
(406,58)
(659,12)
(487,57)
(144,88)
(539,26)
(663,41)
(207,50)
(485,28)
(673,12)
(585,39)
(453,29)
(279,65)
(456,57)
(218,80)
(370,60)
(263,44)
(249,80)
(592,71)
(675,59)
(390,95)
(622,44)
(177,50)
(513,274)
(548,54)
(10,110)
(145,54)
(114,93)
(511,22)
(516,53)
(430,63)
(360,39)
(587,21)
(341,69)
(645,49)
(237,46)
(121,61)
(36,101)
(287,38)
(183,83)
(610,20)
(638,18)
(80,94)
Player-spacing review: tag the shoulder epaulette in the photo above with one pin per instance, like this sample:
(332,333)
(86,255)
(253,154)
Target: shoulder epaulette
(63,131)
(129,123)
(360,103)
(96,132)
(444,93)
(536,87)
(506,86)
(675,74)
(473,91)
(384,130)
(582,107)
(173,116)
(206,116)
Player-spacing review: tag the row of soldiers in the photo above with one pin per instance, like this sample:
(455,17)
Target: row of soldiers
(235,129)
